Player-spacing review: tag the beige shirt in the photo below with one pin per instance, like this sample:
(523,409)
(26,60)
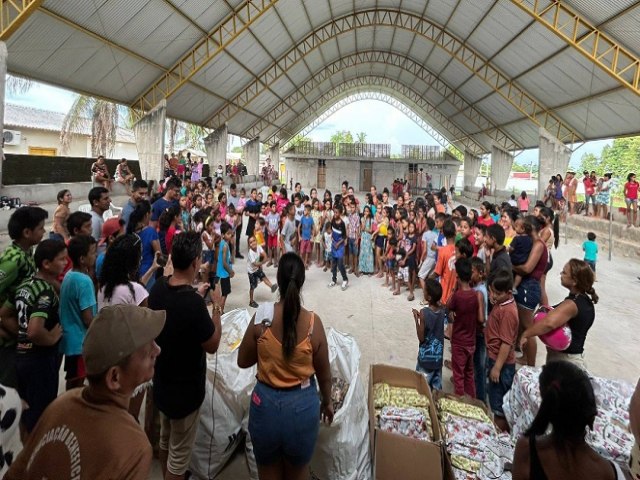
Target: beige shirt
(82,435)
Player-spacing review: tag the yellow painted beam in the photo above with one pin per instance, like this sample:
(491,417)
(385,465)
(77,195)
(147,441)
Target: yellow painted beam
(524,102)
(407,64)
(14,13)
(395,89)
(590,41)
(203,52)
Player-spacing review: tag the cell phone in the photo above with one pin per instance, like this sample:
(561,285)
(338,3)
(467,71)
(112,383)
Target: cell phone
(162,260)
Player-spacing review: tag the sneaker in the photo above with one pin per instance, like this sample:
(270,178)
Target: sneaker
(239,256)
(344,286)
(274,288)
(331,284)
(254,304)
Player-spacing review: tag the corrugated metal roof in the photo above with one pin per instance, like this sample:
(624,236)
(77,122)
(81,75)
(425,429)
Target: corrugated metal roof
(19,116)
(118,49)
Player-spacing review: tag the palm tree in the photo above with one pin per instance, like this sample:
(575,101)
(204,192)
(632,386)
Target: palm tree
(100,115)
(18,85)
(173,132)
(362,137)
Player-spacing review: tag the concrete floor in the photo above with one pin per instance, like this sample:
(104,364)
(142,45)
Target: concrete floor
(383,325)
(384,328)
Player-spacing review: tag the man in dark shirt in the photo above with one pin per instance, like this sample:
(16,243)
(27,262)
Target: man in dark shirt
(170,199)
(189,332)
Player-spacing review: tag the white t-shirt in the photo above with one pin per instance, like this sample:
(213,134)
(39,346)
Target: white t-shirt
(253,257)
(122,296)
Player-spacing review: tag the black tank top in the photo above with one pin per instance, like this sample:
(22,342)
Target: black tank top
(581,323)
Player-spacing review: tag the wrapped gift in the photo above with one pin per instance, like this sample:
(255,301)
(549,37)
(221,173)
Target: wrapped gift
(339,389)
(381,395)
(462,409)
(408,422)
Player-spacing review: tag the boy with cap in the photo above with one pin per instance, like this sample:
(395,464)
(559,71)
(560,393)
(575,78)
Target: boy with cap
(88,432)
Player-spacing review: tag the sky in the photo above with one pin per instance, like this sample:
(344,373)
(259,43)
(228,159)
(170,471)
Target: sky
(380,121)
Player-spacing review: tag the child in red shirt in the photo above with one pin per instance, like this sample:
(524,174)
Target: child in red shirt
(466,315)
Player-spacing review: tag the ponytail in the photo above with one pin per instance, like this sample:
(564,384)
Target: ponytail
(546,413)
(594,296)
(291,276)
(556,231)
(290,312)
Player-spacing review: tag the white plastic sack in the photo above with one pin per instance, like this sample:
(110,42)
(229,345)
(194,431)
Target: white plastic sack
(226,402)
(342,451)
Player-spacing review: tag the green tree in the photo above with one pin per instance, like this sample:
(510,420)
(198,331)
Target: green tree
(101,116)
(236,150)
(361,137)
(619,158)
(589,161)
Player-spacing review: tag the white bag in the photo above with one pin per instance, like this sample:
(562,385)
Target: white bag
(226,402)
(342,451)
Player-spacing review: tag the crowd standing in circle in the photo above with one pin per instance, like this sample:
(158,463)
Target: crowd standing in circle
(479,275)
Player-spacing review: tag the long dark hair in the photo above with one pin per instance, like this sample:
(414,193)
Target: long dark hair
(291,276)
(568,404)
(137,215)
(548,216)
(121,263)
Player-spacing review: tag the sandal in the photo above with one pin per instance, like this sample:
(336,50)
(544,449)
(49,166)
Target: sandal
(410,298)
(424,303)
(396,293)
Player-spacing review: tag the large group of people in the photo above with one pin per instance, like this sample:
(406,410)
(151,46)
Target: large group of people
(133,304)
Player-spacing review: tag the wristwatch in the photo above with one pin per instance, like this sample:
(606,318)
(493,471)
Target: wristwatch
(217,309)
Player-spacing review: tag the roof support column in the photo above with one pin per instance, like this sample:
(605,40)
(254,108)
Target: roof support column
(553,158)
(251,154)
(3,80)
(501,163)
(274,154)
(216,146)
(472,166)
(149,133)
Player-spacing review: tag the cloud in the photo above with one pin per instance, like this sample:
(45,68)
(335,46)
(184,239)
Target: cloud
(44,97)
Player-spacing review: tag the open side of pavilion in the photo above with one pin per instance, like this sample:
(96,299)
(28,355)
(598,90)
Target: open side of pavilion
(490,78)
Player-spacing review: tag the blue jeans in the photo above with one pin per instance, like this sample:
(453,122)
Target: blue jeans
(284,424)
(498,390)
(479,361)
(434,377)
(338,264)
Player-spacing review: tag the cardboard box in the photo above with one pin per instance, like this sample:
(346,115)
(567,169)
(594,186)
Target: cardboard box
(396,456)
(448,467)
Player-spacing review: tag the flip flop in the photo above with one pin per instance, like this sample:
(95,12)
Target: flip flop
(411,298)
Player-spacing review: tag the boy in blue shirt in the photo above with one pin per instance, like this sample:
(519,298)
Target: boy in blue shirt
(430,331)
(78,306)
(590,248)
(305,230)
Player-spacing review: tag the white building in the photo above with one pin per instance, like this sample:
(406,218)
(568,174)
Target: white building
(37,132)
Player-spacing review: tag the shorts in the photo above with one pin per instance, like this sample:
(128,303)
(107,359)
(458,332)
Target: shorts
(592,264)
(177,437)
(380,242)
(427,267)
(631,201)
(225,286)
(74,366)
(272,241)
(411,264)
(284,423)
(305,246)
(528,293)
(433,377)
(576,359)
(498,390)
(353,246)
(590,199)
(403,273)
(255,278)
(37,384)
(208,256)
(391,265)
(327,255)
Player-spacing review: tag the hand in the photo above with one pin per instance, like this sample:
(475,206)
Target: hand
(232,274)
(56,333)
(216,294)
(523,342)
(326,412)
(494,375)
(416,313)
(202,288)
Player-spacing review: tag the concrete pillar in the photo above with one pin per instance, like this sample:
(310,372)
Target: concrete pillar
(472,166)
(149,133)
(216,145)
(501,163)
(3,77)
(274,153)
(553,158)
(251,155)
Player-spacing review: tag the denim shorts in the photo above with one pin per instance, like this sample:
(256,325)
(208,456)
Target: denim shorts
(353,246)
(498,390)
(528,294)
(592,264)
(433,377)
(284,424)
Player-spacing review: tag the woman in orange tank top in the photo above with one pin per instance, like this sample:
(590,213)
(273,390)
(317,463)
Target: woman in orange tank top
(289,345)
